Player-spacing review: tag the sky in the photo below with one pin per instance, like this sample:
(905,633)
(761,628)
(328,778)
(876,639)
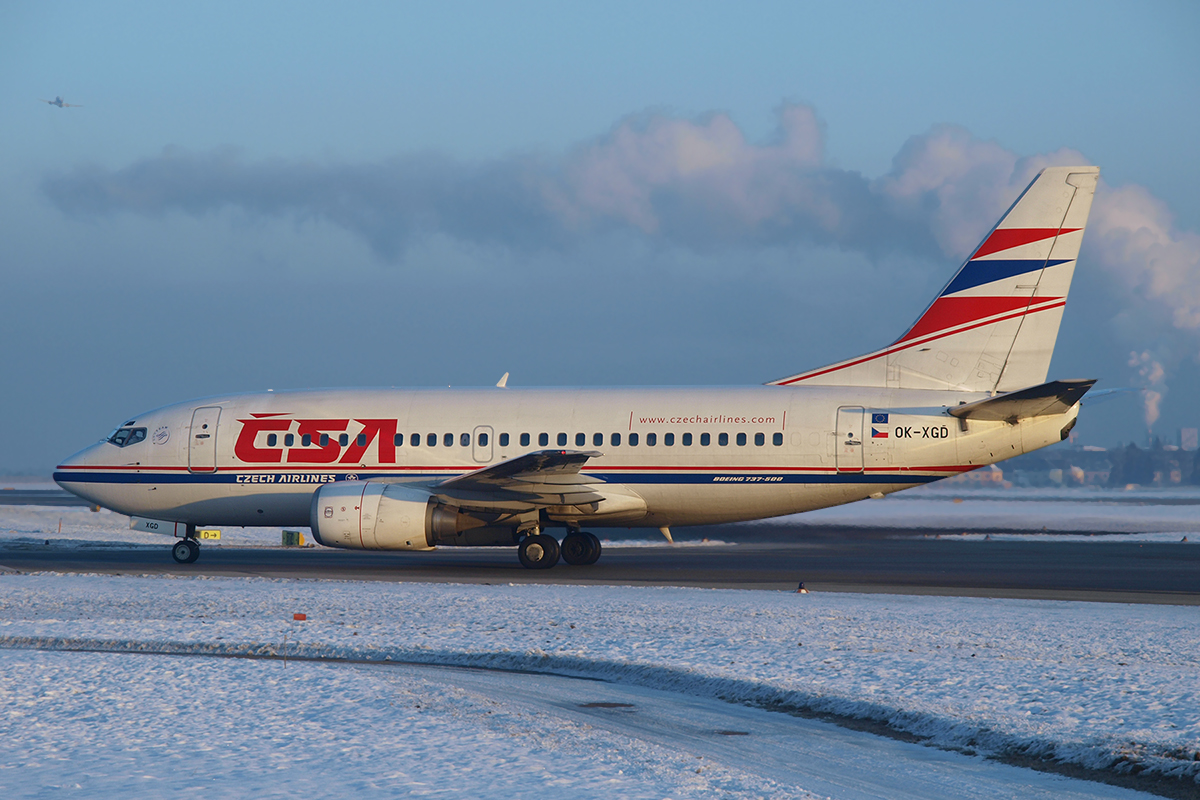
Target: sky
(289,195)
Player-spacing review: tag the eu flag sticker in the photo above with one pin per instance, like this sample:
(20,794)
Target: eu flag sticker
(879,419)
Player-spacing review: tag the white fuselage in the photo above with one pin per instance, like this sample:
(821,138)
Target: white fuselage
(693,455)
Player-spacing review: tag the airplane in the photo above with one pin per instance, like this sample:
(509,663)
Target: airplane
(414,469)
(58,101)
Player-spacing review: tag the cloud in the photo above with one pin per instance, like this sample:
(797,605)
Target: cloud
(698,184)
(694,183)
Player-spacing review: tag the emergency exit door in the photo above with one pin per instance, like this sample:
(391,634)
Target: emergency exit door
(481,446)
(202,439)
(849,435)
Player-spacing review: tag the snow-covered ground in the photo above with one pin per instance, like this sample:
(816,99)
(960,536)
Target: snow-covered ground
(1107,686)
(1169,513)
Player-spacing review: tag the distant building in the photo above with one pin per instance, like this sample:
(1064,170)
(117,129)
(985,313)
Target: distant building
(991,475)
(1188,439)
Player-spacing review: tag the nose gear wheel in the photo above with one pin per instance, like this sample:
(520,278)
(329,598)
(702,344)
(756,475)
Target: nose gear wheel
(185,551)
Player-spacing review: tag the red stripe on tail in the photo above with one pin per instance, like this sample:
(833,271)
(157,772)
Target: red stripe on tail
(1007,238)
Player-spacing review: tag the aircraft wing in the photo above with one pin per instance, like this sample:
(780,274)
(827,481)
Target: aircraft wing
(541,478)
(1045,400)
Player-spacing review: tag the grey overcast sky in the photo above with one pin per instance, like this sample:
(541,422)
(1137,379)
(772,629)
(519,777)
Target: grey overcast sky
(279,195)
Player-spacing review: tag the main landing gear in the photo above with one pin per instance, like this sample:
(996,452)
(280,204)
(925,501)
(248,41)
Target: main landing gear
(580,548)
(540,551)
(187,549)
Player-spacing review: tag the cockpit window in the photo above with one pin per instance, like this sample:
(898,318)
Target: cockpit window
(123,437)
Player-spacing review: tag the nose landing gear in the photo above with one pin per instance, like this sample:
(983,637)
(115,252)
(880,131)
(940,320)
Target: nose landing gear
(187,549)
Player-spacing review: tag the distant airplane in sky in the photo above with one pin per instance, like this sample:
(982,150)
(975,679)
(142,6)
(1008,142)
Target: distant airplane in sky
(58,101)
(397,469)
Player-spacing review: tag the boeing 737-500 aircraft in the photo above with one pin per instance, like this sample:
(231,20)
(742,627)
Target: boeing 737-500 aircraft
(401,469)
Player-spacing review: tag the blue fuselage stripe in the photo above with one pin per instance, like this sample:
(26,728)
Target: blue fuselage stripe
(287,481)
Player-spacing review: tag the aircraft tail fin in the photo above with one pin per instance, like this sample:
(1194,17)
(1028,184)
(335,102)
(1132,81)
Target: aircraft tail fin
(994,325)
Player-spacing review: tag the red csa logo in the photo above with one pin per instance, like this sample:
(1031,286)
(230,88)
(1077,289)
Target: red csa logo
(378,432)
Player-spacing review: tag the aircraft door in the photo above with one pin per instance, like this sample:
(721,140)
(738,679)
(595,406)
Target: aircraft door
(481,446)
(850,439)
(202,439)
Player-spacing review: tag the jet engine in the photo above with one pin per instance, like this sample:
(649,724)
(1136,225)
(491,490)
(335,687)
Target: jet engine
(369,515)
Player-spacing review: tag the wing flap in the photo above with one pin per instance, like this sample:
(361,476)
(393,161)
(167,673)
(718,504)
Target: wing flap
(539,479)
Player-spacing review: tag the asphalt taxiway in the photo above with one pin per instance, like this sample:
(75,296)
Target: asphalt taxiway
(859,561)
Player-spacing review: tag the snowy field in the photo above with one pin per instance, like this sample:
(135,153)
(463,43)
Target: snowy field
(1167,514)
(1107,686)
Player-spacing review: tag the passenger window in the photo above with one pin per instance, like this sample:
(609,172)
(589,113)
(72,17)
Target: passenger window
(524,440)
(289,440)
(760,439)
(651,439)
(687,440)
(398,440)
(483,439)
(562,440)
(448,440)
(324,440)
(414,440)
(344,439)
(580,439)
(362,440)
(597,439)
(741,440)
(431,439)
(723,439)
(543,439)
(464,440)
(306,440)
(615,439)
(705,440)
(669,439)
(272,439)
(777,439)
(633,440)
(504,440)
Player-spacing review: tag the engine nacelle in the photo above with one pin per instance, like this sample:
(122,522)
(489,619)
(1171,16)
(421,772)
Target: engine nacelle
(368,515)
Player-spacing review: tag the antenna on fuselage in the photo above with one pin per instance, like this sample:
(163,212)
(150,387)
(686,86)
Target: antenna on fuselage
(503,381)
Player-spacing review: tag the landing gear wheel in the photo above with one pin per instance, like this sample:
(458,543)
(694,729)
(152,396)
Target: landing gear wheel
(185,551)
(594,555)
(538,551)
(576,548)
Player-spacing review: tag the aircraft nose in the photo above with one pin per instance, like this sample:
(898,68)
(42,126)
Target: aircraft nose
(69,468)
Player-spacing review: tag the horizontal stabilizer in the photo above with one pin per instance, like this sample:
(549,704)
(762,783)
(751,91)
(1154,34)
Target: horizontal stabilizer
(1048,399)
